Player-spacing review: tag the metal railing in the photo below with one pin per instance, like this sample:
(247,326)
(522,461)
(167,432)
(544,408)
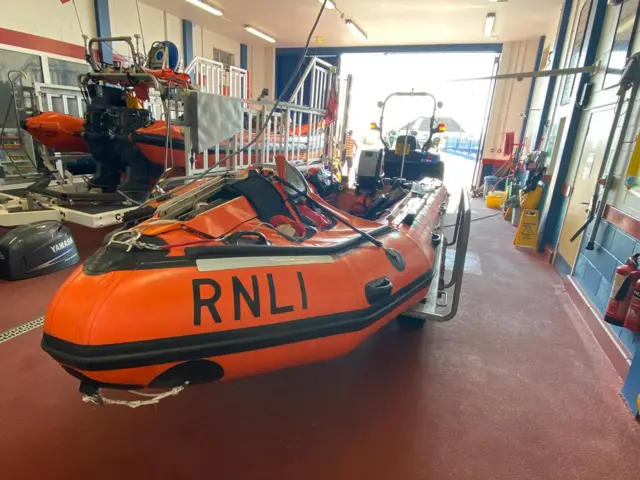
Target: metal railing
(279,138)
(214,77)
(237,83)
(312,93)
(296,130)
(207,74)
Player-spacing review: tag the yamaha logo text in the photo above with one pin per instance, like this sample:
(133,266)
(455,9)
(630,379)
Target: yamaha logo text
(62,245)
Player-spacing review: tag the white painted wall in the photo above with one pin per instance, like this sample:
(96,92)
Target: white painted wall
(157,24)
(52,19)
(204,41)
(261,69)
(511,96)
(124,22)
(173,29)
(197,42)
(49,18)
(211,40)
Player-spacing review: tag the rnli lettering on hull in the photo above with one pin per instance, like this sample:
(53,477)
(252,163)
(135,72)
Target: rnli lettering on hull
(207,292)
(62,245)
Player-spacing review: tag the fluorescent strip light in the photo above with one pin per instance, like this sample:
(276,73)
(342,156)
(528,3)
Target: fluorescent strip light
(355,30)
(258,33)
(489,25)
(205,6)
(330,5)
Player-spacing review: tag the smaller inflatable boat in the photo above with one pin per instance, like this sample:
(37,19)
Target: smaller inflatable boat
(57,131)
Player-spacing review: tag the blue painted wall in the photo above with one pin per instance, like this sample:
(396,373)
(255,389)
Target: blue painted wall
(244,56)
(631,388)
(103,28)
(596,269)
(187,42)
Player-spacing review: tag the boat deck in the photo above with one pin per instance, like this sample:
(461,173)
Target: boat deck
(514,387)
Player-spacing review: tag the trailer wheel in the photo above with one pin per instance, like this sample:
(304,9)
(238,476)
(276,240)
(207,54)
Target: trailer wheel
(406,322)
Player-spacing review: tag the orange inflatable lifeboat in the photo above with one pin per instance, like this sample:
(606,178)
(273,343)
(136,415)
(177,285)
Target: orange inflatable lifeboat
(58,131)
(241,275)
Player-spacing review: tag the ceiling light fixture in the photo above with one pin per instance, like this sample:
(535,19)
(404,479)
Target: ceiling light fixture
(330,5)
(258,33)
(489,25)
(355,30)
(205,6)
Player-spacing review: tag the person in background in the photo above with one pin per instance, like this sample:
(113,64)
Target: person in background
(351,148)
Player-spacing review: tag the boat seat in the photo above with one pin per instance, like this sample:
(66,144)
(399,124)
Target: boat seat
(409,140)
(413,155)
(265,199)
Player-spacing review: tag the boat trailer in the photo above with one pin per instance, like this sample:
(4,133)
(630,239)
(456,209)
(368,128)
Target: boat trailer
(435,305)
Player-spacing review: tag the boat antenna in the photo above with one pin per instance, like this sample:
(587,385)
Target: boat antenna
(75,7)
(267,121)
(144,46)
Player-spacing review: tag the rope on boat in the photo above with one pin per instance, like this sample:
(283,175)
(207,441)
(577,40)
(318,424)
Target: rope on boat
(153,398)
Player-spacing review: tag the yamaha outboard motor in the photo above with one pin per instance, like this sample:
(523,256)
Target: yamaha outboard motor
(36,249)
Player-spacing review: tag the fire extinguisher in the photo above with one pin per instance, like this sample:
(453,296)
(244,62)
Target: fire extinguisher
(627,276)
(632,322)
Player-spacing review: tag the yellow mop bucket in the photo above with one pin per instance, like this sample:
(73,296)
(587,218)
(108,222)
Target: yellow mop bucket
(496,199)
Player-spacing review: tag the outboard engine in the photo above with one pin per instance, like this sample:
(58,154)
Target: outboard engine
(109,122)
(370,167)
(36,249)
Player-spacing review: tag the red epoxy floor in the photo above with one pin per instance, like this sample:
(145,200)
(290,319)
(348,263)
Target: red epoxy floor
(514,388)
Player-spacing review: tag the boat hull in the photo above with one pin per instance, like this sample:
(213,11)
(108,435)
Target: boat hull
(164,317)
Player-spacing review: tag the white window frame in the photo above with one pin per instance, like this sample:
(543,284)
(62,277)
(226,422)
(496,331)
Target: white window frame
(44,58)
(231,56)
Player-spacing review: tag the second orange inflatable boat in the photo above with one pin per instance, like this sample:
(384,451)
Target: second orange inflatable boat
(261,275)
(58,131)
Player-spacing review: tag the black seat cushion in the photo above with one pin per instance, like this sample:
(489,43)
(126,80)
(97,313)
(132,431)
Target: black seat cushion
(265,199)
(408,140)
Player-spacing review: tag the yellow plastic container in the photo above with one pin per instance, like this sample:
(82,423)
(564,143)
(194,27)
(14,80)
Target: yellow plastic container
(496,199)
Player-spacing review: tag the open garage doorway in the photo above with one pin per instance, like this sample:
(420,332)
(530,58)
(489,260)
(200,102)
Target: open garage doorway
(465,108)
